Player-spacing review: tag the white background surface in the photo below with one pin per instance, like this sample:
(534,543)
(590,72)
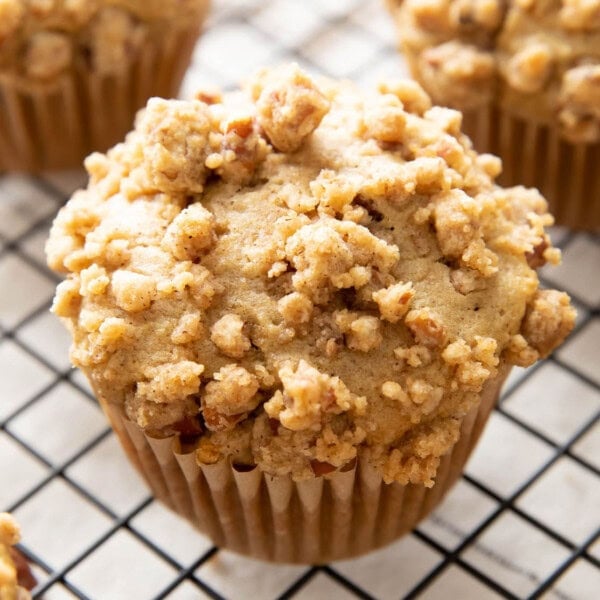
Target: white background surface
(529,504)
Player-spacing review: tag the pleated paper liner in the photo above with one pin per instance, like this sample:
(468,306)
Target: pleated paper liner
(535,155)
(340,515)
(55,125)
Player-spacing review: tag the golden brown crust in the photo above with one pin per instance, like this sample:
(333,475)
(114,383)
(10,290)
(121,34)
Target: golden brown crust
(352,295)
(41,39)
(540,59)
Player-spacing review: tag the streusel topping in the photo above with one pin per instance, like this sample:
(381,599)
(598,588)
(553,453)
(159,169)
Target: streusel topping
(302,271)
(540,58)
(10,535)
(41,39)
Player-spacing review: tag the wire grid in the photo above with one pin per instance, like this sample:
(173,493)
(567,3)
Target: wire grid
(522,523)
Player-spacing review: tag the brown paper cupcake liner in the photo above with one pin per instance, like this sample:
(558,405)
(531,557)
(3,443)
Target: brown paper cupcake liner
(536,155)
(45,126)
(337,516)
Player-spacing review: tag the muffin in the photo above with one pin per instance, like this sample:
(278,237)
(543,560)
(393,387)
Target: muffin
(15,577)
(297,303)
(73,73)
(526,74)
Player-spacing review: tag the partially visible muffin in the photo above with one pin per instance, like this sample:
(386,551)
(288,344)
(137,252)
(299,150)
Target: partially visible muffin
(298,278)
(74,72)
(15,577)
(527,75)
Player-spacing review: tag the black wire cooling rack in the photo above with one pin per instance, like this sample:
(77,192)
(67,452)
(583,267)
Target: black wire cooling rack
(522,523)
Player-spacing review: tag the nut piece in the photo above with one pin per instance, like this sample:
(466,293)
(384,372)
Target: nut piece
(426,327)
(394,301)
(228,336)
(290,107)
(242,150)
(216,421)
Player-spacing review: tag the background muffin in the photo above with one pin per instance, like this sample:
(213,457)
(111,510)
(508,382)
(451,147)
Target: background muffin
(527,75)
(301,298)
(73,73)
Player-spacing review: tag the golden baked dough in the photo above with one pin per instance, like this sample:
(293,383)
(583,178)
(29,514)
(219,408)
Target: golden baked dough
(300,271)
(40,39)
(539,58)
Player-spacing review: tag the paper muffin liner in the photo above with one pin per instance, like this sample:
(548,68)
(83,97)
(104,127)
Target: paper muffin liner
(56,125)
(340,515)
(536,155)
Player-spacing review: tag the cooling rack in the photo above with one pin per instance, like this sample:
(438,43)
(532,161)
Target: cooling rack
(523,522)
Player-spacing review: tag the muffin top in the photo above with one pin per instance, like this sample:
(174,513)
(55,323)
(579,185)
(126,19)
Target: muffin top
(40,39)
(539,58)
(300,271)
(9,574)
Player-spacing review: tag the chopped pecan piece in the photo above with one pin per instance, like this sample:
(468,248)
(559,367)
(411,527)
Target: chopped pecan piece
(321,468)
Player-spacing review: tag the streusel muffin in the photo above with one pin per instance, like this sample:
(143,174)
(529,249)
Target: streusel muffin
(297,304)
(15,576)
(526,73)
(73,73)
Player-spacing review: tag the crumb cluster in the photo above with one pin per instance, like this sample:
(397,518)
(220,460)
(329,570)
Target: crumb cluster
(302,272)
(536,57)
(42,39)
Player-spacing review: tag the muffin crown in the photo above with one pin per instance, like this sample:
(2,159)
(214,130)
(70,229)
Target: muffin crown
(541,58)
(40,39)
(301,271)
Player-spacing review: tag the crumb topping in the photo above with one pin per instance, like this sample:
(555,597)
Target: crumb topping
(282,278)
(42,39)
(539,58)
(288,107)
(9,536)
